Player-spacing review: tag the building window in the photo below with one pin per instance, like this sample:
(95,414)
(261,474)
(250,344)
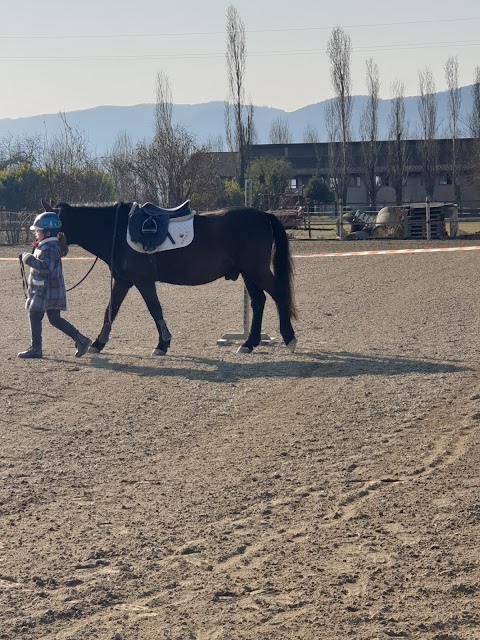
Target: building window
(445,178)
(355,181)
(382,181)
(293,183)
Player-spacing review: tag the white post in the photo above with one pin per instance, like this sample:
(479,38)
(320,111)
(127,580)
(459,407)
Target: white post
(427,219)
(248,193)
(454,221)
(308,219)
(340,219)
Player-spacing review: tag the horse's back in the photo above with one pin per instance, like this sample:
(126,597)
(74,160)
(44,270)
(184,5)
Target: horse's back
(225,242)
(234,220)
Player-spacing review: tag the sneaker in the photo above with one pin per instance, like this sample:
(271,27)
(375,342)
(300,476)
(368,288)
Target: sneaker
(82,343)
(31,352)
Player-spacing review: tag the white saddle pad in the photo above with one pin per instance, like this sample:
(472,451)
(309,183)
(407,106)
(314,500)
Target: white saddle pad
(181,232)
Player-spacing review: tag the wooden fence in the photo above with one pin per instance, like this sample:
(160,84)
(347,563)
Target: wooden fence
(14,227)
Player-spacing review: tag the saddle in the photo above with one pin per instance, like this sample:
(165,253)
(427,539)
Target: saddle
(148,224)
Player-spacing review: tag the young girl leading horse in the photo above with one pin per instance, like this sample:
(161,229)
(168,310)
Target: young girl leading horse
(46,286)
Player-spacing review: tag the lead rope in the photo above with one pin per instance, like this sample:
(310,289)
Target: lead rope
(25,280)
(85,276)
(24,277)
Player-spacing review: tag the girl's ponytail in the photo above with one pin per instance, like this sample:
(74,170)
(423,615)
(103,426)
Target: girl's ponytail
(63,244)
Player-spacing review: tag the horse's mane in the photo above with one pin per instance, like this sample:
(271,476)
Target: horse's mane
(92,205)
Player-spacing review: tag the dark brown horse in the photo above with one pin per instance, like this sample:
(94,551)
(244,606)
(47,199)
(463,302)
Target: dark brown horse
(226,244)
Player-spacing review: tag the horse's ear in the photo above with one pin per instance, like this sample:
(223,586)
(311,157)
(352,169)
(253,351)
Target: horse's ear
(46,206)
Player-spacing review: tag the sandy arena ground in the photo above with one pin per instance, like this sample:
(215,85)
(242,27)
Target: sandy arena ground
(328,494)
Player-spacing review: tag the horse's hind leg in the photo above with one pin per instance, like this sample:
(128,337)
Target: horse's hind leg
(149,294)
(257,302)
(269,283)
(119,291)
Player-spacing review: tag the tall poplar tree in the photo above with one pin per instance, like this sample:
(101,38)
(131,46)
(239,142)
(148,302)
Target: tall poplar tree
(239,127)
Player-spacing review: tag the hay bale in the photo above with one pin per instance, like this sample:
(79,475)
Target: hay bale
(389,223)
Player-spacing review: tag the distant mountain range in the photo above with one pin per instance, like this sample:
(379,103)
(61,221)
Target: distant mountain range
(102,125)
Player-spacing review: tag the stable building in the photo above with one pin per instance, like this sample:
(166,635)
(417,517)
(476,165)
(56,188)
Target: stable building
(312,159)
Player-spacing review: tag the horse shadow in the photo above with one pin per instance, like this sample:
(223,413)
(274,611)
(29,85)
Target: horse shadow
(303,364)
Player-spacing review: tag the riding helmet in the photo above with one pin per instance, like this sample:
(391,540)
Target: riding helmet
(48,221)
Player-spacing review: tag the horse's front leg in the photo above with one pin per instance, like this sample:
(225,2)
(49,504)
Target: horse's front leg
(119,291)
(148,292)
(257,302)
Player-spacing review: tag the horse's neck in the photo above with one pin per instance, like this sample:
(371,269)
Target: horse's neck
(99,241)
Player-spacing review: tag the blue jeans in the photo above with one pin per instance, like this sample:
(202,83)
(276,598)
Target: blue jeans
(55,320)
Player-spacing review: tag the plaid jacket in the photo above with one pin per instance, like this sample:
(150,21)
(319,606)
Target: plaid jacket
(46,286)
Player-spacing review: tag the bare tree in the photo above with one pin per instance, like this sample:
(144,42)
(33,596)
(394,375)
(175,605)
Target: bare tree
(73,173)
(17,150)
(163,167)
(369,132)
(280,131)
(208,189)
(163,106)
(120,163)
(68,150)
(454,104)
(334,152)
(397,134)
(474,128)
(215,143)
(474,116)
(172,167)
(427,108)
(164,174)
(339,52)
(172,146)
(311,135)
(239,126)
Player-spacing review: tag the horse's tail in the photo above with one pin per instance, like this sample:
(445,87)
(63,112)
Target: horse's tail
(283,264)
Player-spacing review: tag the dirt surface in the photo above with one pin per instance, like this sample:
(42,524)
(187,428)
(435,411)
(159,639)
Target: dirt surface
(328,494)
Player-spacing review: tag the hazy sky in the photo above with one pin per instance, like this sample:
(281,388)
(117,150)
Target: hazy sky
(58,55)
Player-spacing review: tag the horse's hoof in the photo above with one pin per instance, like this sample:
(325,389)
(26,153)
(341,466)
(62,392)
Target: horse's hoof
(93,349)
(292,345)
(158,352)
(243,349)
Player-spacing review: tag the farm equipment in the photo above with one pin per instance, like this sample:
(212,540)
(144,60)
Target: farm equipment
(387,223)
(290,218)
(421,221)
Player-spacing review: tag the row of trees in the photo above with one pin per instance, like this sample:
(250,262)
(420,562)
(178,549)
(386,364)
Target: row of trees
(168,170)
(339,135)
(32,167)
(172,166)
(338,120)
